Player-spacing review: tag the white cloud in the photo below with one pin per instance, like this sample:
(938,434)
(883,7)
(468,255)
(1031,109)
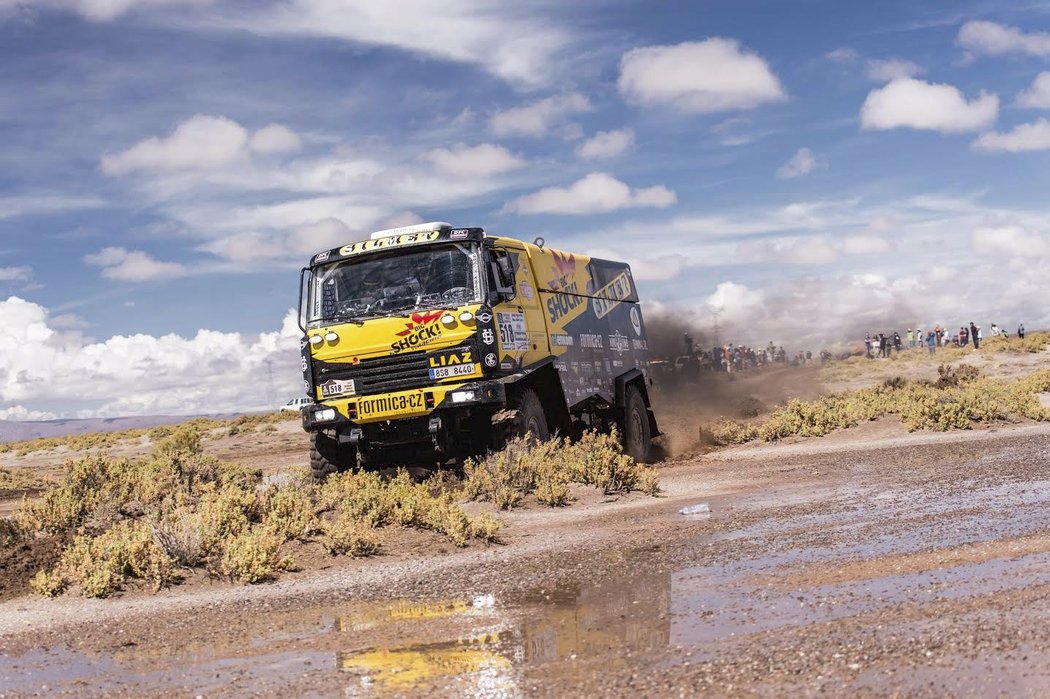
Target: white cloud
(886,70)
(915,104)
(519,46)
(15,274)
(802,162)
(202,142)
(99,10)
(132,265)
(34,204)
(843,54)
(698,77)
(606,144)
(1038,94)
(598,192)
(275,138)
(539,118)
(483,160)
(1010,240)
(45,372)
(865,245)
(1025,137)
(989,38)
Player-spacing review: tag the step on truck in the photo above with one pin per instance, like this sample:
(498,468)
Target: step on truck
(428,344)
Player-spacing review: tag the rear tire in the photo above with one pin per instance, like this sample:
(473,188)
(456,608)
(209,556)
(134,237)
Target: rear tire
(637,437)
(328,456)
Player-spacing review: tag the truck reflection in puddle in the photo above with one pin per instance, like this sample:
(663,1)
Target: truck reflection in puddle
(495,647)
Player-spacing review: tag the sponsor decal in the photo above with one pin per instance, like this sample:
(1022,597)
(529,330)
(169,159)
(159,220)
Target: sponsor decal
(636,321)
(618,343)
(513,333)
(526,291)
(565,268)
(589,341)
(640,344)
(563,340)
(487,336)
(421,330)
(490,360)
(388,242)
(611,294)
(618,363)
(484,317)
(390,404)
(459,234)
(562,304)
(322,256)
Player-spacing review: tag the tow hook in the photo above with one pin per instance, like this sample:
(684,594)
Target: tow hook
(435,431)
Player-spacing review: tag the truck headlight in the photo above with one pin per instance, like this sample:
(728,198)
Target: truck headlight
(466,317)
(462,396)
(324,415)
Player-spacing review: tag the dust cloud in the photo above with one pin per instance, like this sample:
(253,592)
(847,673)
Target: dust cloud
(687,403)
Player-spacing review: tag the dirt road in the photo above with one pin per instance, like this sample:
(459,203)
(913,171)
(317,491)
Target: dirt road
(871,562)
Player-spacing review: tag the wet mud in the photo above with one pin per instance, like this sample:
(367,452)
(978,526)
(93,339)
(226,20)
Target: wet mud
(889,566)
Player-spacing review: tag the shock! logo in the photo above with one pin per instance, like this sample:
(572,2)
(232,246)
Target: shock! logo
(422,330)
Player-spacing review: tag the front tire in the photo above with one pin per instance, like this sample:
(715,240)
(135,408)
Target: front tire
(532,419)
(328,456)
(637,435)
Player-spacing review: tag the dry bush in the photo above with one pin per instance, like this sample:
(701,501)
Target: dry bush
(545,469)
(959,399)
(102,564)
(344,535)
(253,556)
(289,511)
(180,533)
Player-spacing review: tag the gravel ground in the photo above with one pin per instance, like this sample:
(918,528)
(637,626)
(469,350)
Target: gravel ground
(872,562)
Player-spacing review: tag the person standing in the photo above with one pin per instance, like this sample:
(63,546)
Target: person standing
(931,341)
(1020,331)
(973,336)
(911,339)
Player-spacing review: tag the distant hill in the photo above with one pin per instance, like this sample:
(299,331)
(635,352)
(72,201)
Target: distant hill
(11,431)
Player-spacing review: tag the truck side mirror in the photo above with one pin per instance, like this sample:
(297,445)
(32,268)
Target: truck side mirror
(503,288)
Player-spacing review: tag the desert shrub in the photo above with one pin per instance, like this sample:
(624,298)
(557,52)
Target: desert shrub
(48,584)
(289,511)
(253,556)
(101,565)
(546,469)
(649,482)
(895,382)
(485,527)
(344,535)
(180,534)
(733,432)
(959,399)
(21,479)
(10,532)
(185,439)
(950,376)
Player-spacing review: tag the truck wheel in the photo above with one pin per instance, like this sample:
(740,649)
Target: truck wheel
(637,438)
(531,416)
(328,456)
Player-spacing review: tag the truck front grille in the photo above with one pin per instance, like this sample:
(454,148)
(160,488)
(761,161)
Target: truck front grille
(380,374)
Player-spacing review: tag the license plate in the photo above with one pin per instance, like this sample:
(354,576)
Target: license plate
(449,371)
(338,388)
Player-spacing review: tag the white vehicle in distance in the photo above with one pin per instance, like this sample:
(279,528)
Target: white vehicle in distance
(296,404)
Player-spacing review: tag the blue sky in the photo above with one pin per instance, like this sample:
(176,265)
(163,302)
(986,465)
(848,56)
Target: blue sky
(808,170)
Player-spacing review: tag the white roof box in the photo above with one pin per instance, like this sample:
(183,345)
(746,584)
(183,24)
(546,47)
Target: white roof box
(417,228)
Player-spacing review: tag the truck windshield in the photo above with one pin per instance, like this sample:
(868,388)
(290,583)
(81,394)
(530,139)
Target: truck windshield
(442,276)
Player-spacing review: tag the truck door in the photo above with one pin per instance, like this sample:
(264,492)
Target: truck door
(522,333)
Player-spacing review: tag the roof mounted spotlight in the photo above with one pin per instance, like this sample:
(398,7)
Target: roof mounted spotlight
(539,242)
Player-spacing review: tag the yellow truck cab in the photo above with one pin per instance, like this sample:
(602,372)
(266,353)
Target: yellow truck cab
(429,343)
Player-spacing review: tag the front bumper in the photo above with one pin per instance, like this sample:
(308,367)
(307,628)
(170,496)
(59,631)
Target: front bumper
(345,413)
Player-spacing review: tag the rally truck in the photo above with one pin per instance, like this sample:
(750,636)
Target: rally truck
(428,344)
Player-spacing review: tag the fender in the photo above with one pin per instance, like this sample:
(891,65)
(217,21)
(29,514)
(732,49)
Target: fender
(543,378)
